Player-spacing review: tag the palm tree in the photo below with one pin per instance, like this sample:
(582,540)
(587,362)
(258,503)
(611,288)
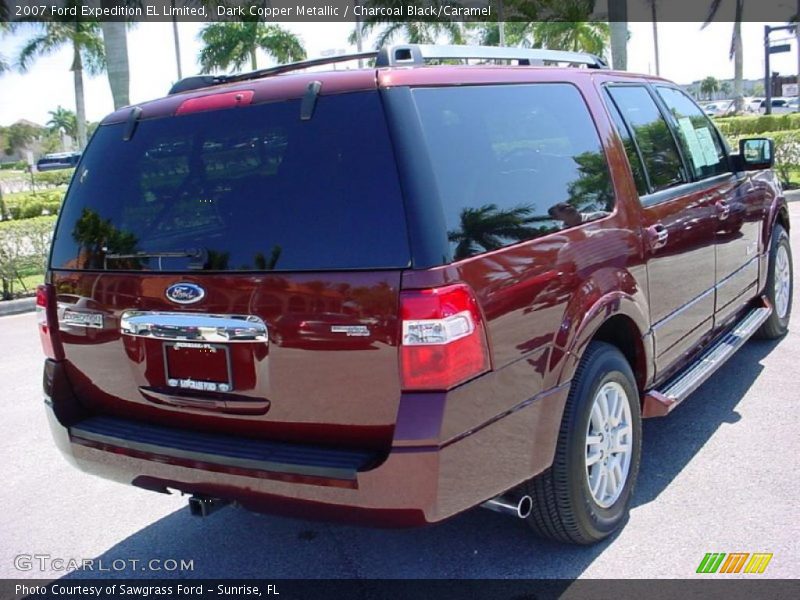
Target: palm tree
(87,54)
(654,18)
(230,45)
(618,23)
(413,32)
(709,86)
(115,43)
(736,51)
(62,118)
(577,36)
(4,66)
(517,33)
(486,227)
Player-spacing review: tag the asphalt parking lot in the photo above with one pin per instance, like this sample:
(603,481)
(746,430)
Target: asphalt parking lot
(719,475)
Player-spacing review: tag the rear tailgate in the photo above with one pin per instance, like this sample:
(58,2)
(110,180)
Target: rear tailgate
(293,228)
(326,370)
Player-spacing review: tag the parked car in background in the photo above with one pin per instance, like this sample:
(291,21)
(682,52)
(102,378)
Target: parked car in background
(780,106)
(721,108)
(752,105)
(61,160)
(392,294)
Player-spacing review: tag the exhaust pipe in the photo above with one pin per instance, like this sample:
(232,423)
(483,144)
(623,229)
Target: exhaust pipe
(203,506)
(520,508)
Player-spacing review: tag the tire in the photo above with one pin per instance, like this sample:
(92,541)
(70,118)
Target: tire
(780,267)
(565,509)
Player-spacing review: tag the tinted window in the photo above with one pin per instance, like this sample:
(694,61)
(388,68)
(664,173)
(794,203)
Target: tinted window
(697,135)
(513,162)
(653,137)
(251,188)
(630,149)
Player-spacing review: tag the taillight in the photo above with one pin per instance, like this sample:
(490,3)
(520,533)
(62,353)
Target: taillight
(443,338)
(44,299)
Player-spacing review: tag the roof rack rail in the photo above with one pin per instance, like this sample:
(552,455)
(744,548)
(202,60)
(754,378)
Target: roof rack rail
(200,81)
(406,55)
(418,54)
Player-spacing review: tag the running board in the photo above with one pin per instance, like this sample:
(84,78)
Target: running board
(659,403)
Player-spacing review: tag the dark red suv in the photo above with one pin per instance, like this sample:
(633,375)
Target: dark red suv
(389,295)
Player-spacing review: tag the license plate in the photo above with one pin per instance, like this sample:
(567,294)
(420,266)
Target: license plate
(198,366)
(81,319)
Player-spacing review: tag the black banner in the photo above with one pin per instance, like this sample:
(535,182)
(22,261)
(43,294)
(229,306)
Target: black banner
(393,10)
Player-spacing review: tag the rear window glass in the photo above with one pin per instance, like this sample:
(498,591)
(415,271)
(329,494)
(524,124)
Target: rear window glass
(513,162)
(247,189)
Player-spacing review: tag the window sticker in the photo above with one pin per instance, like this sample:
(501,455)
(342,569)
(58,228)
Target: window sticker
(696,150)
(707,143)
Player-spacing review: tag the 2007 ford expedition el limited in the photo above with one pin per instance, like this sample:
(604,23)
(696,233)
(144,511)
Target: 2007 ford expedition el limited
(390,294)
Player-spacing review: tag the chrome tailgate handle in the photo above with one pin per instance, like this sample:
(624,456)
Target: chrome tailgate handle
(199,327)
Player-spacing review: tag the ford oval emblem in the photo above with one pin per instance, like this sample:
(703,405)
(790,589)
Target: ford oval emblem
(185,293)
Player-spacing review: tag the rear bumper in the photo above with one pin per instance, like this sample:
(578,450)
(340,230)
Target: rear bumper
(414,485)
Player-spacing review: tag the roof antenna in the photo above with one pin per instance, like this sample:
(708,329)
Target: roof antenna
(133,121)
(310,100)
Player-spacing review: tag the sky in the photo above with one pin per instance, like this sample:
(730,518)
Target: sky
(687,54)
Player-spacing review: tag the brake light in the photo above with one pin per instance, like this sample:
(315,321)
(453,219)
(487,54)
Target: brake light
(44,296)
(443,338)
(215,102)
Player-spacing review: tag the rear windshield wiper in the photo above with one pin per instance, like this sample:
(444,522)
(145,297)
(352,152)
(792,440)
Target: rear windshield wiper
(199,257)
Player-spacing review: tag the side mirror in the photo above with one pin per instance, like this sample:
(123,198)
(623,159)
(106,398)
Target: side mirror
(756,154)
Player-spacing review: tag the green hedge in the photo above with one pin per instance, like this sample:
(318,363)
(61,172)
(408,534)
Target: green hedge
(53,178)
(787,151)
(758,125)
(18,166)
(26,205)
(23,249)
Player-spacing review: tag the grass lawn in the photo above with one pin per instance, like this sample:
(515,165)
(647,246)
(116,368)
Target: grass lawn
(30,281)
(794,179)
(31,277)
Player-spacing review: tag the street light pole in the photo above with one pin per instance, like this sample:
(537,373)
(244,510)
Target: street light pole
(797,41)
(767,74)
(501,24)
(655,35)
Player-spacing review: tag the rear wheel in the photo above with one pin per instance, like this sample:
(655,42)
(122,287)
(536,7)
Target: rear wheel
(779,286)
(585,495)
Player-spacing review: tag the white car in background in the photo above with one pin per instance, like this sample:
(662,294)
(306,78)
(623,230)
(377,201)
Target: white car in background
(720,108)
(752,105)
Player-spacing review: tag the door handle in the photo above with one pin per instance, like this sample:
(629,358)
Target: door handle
(657,235)
(723,210)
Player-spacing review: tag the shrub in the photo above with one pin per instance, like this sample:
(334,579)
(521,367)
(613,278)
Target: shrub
(17,166)
(23,245)
(758,125)
(26,205)
(787,151)
(53,178)
(787,154)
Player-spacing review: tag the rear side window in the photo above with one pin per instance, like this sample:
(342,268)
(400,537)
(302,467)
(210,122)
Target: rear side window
(653,137)
(697,135)
(630,149)
(513,162)
(250,189)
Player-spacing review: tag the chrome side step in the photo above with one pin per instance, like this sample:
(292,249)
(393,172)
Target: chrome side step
(659,403)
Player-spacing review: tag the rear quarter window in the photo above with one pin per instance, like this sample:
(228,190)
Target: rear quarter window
(513,162)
